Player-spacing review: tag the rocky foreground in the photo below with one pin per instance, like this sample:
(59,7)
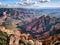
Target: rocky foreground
(15,37)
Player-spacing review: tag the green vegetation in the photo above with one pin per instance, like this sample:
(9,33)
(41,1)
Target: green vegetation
(23,40)
(3,38)
(8,24)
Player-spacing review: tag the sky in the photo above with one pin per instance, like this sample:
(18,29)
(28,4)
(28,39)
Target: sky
(14,1)
(52,3)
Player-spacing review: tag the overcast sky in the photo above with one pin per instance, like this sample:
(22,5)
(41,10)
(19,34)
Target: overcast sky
(52,3)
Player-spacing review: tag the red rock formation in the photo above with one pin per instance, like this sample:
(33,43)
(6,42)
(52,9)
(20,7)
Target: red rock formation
(3,17)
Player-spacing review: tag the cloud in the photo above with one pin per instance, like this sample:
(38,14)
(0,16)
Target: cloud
(26,2)
(33,5)
(44,0)
(0,3)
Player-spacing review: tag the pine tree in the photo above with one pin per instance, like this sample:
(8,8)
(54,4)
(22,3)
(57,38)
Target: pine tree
(3,38)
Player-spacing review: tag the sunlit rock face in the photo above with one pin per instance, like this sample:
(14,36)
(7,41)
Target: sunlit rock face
(3,17)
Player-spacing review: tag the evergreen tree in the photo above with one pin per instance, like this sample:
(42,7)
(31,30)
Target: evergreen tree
(3,38)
